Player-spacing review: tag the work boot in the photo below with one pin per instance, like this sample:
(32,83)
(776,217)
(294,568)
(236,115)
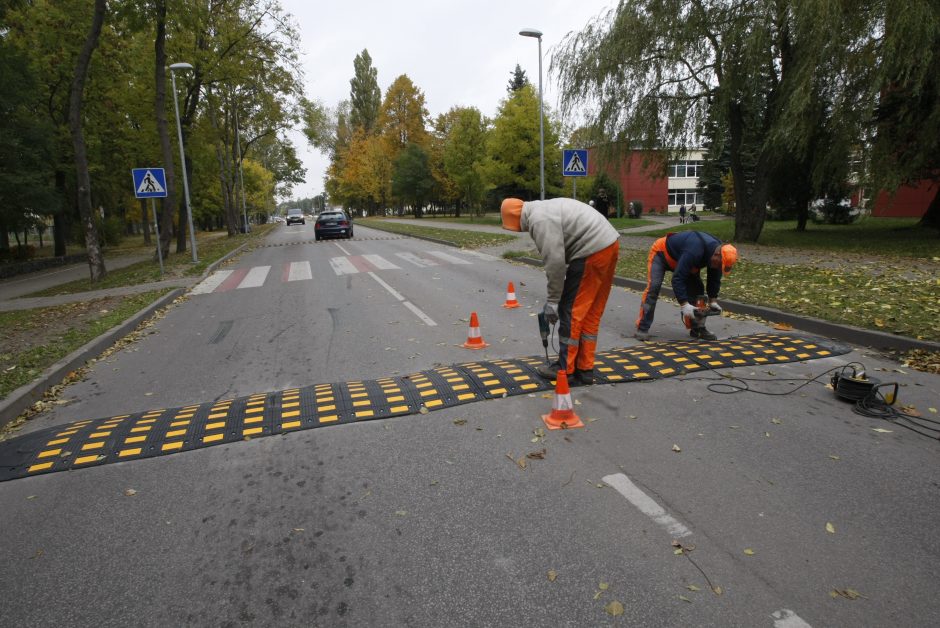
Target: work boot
(549,371)
(642,335)
(583,378)
(702,334)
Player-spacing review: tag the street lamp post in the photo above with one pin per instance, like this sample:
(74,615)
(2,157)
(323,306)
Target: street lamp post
(179,132)
(532,32)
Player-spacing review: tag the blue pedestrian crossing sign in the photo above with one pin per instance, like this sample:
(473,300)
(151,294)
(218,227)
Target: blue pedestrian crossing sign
(574,162)
(149,182)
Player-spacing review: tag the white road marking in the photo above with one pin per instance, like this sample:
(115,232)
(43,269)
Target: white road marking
(394,292)
(417,261)
(340,247)
(212,282)
(785,618)
(427,319)
(342,266)
(424,317)
(299,271)
(448,258)
(380,262)
(646,504)
(478,255)
(255,277)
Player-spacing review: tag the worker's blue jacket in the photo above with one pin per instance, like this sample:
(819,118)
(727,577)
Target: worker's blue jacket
(691,251)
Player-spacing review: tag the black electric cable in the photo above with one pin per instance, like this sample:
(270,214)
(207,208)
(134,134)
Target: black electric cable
(872,404)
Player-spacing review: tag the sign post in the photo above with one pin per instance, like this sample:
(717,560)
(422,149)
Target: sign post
(574,163)
(151,183)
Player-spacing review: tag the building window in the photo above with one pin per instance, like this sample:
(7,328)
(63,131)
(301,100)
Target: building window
(683,197)
(685,168)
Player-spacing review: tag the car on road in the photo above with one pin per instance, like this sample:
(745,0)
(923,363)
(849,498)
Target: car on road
(333,224)
(295,215)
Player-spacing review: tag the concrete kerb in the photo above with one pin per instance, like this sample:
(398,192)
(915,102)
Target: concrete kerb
(26,395)
(845,333)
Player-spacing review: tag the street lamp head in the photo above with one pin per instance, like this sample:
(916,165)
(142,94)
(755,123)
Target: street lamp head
(531,32)
(181,66)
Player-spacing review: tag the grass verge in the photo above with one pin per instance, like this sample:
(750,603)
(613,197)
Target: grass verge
(463,239)
(63,329)
(899,237)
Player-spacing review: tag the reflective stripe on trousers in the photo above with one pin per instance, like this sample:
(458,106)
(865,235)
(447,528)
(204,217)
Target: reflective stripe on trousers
(657,264)
(583,299)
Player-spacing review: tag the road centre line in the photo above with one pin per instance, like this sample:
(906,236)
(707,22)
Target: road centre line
(645,504)
(394,292)
(785,618)
(340,247)
(424,317)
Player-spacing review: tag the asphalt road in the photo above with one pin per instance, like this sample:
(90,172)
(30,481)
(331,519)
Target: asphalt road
(426,520)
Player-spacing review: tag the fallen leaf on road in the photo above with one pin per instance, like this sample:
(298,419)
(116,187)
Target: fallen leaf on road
(880,430)
(676,448)
(849,594)
(130,492)
(692,587)
(749,551)
(536,455)
(831,529)
(685,599)
(31,496)
(717,590)
(614,608)
(552,575)
(932,410)
(423,410)
(776,421)
(834,457)
(460,421)
(783,326)
(401,513)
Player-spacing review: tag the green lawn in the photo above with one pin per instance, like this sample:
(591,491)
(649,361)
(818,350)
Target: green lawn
(19,367)
(899,237)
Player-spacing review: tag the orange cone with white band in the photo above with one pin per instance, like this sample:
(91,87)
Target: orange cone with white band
(511,297)
(562,416)
(474,337)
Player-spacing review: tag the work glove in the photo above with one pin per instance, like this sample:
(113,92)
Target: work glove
(714,307)
(688,310)
(551,312)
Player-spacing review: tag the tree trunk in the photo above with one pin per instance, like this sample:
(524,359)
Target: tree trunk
(932,217)
(95,258)
(166,213)
(750,198)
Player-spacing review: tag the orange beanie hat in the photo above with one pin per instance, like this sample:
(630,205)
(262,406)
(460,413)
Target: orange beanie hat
(511,211)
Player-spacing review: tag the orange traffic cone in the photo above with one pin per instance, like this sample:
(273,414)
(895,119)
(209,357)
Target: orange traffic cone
(474,338)
(511,297)
(562,416)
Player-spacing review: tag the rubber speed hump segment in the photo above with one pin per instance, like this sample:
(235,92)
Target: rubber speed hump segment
(92,442)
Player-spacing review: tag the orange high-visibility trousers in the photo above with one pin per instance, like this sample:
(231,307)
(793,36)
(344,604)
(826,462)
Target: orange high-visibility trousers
(583,299)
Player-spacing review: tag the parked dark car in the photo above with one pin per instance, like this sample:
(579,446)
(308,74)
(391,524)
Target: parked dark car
(333,224)
(295,215)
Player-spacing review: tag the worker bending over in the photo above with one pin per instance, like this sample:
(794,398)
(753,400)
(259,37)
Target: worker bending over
(579,248)
(685,254)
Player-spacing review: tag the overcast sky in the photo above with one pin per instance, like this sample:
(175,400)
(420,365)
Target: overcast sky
(457,52)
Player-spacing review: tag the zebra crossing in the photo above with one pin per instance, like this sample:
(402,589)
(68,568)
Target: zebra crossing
(257,276)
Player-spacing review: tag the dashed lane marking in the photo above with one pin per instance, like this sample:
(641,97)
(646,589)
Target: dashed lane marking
(646,504)
(127,437)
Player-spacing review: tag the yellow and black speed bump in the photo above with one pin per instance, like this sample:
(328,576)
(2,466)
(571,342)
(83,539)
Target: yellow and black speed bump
(88,443)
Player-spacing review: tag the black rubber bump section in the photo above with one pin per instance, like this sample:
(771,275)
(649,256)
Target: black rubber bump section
(90,443)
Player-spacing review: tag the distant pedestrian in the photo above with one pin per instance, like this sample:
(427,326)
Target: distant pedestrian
(692,213)
(602,204)
(682,214)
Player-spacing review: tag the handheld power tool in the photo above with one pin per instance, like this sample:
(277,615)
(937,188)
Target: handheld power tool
(543,332)
(702,310)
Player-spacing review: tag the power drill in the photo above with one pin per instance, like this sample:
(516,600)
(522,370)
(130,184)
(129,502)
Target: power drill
(543,332)
(701,311)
